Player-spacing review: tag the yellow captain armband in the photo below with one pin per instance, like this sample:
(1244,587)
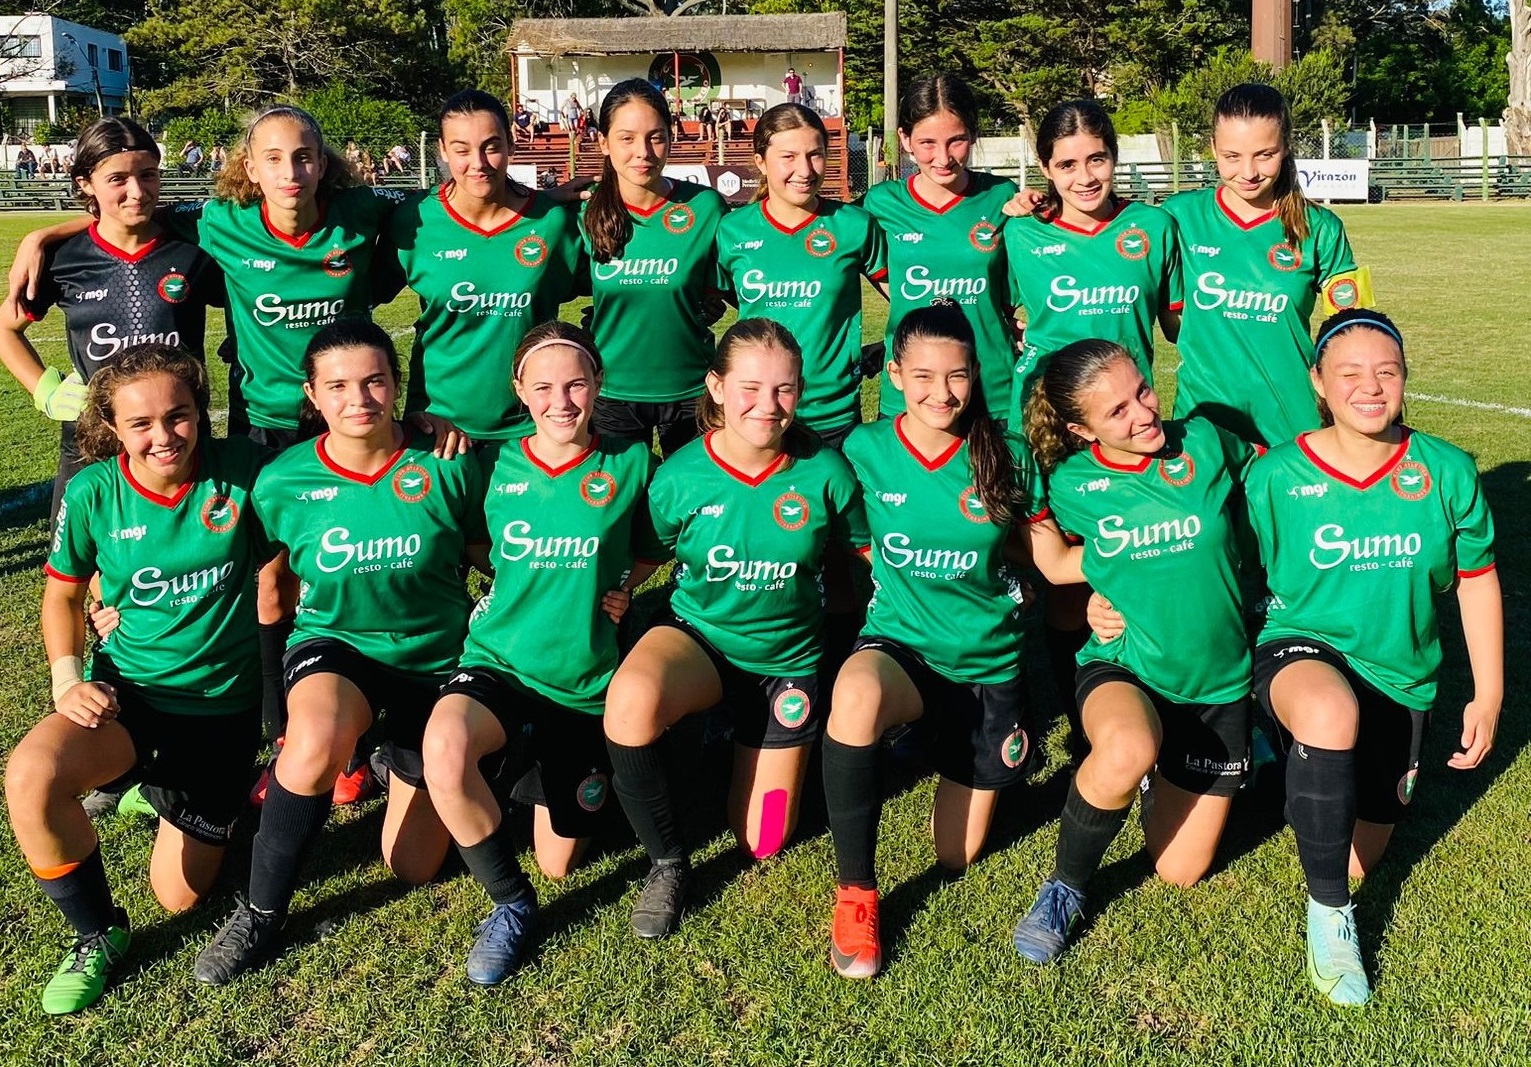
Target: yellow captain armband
(1351,289)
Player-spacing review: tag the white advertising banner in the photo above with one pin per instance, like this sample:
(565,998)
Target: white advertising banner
(1334,179)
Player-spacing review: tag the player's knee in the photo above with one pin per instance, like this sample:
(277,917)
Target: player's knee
(1123,758)
(955,856)
(175,895)
(1181,871)
(632,707)
(444,752)
(411,867)
(32,778)
(557,868)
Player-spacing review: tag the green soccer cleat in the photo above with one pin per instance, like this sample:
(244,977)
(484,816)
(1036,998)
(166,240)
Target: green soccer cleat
(81,978)
(134,802)
(1334,955)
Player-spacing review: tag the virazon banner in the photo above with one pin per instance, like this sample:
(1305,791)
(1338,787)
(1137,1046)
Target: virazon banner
(1334,179)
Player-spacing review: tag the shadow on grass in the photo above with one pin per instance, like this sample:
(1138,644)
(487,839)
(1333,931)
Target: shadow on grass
(1445,795)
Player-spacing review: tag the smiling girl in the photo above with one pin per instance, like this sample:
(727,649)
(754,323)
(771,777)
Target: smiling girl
(377,528)
(651,242)
(174,691)
(749,511)
(1363,520)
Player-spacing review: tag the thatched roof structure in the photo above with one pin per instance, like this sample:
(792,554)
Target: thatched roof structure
(686,33)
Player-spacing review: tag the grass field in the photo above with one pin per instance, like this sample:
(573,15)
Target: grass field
(1207,976)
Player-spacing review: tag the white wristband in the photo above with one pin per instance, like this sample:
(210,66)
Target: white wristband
(68,672)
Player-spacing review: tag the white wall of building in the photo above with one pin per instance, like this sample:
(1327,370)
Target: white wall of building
(62,64)
(546,82)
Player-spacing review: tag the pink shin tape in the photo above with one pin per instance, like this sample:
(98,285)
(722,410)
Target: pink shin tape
(773,823)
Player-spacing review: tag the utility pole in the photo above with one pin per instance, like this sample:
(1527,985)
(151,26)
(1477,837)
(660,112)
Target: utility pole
(890,85)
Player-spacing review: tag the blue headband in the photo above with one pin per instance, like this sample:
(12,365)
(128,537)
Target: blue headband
(1376,324)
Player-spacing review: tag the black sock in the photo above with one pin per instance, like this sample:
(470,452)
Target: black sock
(493,862)
(639,778)
(1062,649)
(853,794)
(1321,806)
(1084,834)
(83,895)
(288,825)
(273,701)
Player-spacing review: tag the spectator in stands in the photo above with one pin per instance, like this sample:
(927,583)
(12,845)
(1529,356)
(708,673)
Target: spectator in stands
(353,154)
(587,125)
(368,167)
(215,159)
(571,113)
(26,162)
(724,118)
(523,123)
(50,165)
(191,158)
(792,82)
(396,159)
(708,131)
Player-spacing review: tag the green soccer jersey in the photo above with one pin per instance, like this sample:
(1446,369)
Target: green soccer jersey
(180,569)
(1161,544)
(654,293)
(283,290)
(808,279)
(377,555)
(1357,564)
(562,537)
(938,567)
(1244,344)
(1109,282)
(480,291)
(957,251)
(750,549)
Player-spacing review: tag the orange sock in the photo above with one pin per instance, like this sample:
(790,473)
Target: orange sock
(47,874)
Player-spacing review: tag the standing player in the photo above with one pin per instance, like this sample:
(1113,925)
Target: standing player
(377,528)
(945,491)
(174,691)
(1086,264)
(1258,255)
(1158,506)
(798,259)
(488,260)
(571,541)
(124,282)
(945,232)
(653,270)
(749,510)
(1361,524)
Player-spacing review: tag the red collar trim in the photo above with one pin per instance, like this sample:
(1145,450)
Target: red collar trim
(357,476)
(781,461)
(928,206)
(799,228)
(1130,468)
(1240,223)
(1371,479)
(1121,206)
(121,253)
(515,216)
(554,472)
(296,242)
(929,464)
(664,201)
(150,495)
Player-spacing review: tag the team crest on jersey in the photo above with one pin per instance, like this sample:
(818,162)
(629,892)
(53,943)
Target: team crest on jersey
(591,793)
(1016,748)
(598,488)
(1178,470)
(1284,257)
(1411,480)
(411,483)
(984,236)
(971,505)
(337,263)
(531,251)
(678,218)
(220,514)
(791,707)
(791,511)
(173,288)
(820,243)
(1132,243)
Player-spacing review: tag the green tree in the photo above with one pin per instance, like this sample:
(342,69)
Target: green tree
(1314,87)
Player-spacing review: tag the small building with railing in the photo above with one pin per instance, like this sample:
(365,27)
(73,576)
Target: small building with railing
(735,65)
(47,63)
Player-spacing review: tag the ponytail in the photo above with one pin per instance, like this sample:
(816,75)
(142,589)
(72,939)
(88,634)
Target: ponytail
(1254,101)
(1054,401)
(607,223)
